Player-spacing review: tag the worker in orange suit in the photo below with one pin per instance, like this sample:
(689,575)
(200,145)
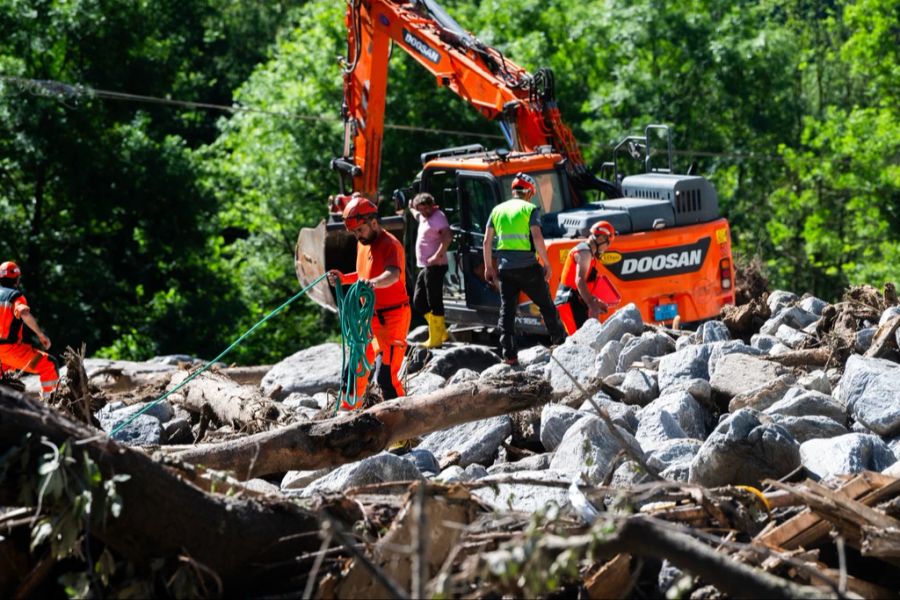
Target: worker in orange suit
(14,312)
(575,299)
(381,264)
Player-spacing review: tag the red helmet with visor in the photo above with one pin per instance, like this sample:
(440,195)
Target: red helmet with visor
(525,182)
(358,210)
(603,228)
(10,270)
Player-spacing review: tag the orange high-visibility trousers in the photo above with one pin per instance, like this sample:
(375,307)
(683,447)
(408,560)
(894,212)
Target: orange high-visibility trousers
(389,330)
(15,357)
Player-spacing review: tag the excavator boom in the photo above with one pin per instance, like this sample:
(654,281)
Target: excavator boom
(498,88)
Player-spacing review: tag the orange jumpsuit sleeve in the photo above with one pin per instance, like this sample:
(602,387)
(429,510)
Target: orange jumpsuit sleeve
(18,305)
(349,278)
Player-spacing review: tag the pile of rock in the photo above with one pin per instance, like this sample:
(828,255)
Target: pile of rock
(694,406)
(700,407)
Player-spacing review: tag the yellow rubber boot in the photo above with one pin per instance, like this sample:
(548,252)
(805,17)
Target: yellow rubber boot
(428,321)
(440,328)
(434,339)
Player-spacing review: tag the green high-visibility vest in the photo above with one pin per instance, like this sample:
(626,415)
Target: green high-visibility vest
(511,221)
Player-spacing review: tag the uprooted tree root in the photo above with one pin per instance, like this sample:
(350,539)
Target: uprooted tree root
(751,281)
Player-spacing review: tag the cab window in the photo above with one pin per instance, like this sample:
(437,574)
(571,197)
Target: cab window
(441,183)
(549,195)
(479,199)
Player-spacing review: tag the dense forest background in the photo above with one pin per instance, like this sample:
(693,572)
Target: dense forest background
(148,228)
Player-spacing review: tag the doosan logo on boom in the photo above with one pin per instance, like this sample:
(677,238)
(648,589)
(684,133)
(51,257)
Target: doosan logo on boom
(421,47)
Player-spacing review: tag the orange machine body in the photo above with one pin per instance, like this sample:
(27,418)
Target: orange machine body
(644,268)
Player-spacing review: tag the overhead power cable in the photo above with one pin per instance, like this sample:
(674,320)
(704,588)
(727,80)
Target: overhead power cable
(47,87)
(63,91)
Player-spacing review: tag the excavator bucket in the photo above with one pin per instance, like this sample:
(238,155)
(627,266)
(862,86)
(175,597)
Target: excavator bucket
(327,247)
(311,259)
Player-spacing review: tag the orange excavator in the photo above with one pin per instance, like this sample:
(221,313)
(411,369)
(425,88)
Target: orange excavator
(672,256)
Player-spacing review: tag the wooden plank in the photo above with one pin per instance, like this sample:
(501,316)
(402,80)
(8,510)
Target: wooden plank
(880,542)
(612,580)
(784,535)
(849,509)
(808,527)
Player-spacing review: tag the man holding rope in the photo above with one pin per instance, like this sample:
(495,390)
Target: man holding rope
(380,264)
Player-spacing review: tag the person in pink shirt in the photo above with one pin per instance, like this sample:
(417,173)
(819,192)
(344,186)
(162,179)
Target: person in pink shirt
(432,243)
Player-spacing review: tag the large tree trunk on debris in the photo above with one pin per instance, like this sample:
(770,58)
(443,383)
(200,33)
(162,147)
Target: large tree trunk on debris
(162,515)
(357,435)
(240,406)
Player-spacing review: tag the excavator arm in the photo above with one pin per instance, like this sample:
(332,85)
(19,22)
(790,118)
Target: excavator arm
(499,89)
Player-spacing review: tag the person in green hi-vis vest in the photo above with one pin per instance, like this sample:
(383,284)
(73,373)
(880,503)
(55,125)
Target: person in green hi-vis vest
(518,231)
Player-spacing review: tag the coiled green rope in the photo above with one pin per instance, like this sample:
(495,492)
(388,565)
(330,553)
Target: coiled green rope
(234,344)
(356,307)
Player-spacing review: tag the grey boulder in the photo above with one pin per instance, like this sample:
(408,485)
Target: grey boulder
(308,371)
(669,417)
(572,360)
(813,305)
(537,462)
(714,331)
(383,467)
(588,448)
(805,403)
(742,450)
(640,386)
(672,452)
(691,362)
(780,299)
(810,427)
(424,460)
(870,388)
(623,415)
(476,442)
(846,454)
(555,421)
(737,373)
(525,497)
(719,350)
(596,335)
(649,343)
(606,361)
(424,382)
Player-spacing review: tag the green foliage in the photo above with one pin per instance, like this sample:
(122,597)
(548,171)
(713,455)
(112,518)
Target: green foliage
(102,202)
(74,493)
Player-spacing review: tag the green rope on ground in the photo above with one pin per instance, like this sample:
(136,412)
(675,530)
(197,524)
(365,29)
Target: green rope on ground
(234,344)
(356,307)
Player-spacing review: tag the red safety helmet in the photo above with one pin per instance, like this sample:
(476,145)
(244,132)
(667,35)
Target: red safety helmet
(357,211)
(525,182)
(10,270)
(603,228)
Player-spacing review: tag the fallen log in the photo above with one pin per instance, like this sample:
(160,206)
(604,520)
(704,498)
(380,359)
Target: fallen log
(246,375)
(240,406)
(884,341)
(354,436)
(162,515)
(812,357)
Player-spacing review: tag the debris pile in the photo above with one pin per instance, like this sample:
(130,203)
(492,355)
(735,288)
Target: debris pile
(756,456)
